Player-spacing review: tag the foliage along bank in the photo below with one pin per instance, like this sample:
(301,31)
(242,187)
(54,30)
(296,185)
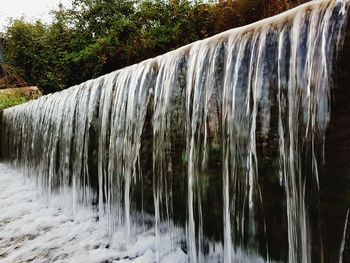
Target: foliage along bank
(94,37)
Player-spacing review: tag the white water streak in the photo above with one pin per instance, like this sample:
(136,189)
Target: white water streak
(216,97)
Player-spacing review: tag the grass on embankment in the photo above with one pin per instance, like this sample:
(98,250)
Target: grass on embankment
(16,96)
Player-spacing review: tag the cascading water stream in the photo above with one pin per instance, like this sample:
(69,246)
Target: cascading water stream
(193,138)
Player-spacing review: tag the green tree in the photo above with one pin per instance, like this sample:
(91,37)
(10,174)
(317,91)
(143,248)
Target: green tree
(28,48)
(94,37)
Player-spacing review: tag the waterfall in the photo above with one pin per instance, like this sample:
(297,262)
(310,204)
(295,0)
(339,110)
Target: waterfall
(198,139)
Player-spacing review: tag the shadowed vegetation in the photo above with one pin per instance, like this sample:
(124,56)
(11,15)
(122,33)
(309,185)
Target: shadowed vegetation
(94,37)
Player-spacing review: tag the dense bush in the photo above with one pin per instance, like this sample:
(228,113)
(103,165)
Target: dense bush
(94,37)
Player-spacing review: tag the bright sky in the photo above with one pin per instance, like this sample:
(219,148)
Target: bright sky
(30,9)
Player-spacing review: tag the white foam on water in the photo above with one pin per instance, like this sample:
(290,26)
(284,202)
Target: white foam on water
(33,229)
(224,99)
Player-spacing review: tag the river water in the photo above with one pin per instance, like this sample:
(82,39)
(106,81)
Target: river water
(35,229)
(219,150)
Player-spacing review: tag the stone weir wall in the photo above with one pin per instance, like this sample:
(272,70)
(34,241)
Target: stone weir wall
(335,182)
(240,140)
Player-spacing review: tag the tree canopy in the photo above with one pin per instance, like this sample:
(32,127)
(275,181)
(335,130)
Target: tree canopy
(94,37)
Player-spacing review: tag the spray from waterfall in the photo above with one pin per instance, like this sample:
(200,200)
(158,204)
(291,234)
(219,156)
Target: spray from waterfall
(190,138)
